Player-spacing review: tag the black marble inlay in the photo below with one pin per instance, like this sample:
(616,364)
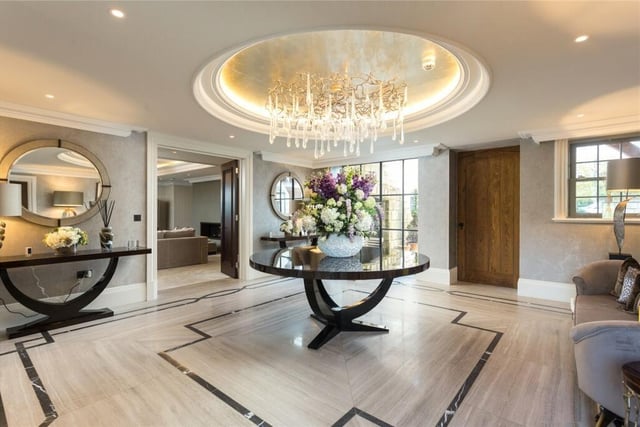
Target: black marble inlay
(41,393)
(353,412)
(51,414)
(216,392)
(445,419)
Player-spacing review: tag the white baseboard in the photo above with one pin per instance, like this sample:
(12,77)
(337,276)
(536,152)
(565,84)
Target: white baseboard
(554,291)
(441,276)
(110,298)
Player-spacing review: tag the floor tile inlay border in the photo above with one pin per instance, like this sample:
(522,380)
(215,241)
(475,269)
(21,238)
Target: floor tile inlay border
(51,414)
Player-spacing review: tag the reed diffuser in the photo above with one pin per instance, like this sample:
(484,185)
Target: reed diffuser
(105,207)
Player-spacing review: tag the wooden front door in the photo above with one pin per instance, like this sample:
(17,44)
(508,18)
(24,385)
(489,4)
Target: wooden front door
(229,226)
(488,216)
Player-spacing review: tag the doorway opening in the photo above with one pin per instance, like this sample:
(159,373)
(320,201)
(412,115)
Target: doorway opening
(189,209)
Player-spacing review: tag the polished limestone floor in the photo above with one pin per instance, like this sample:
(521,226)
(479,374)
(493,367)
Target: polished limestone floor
(231,353)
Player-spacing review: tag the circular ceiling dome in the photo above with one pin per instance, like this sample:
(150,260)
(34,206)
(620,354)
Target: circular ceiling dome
(443,80)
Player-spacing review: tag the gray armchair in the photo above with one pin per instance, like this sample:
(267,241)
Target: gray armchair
(604,337)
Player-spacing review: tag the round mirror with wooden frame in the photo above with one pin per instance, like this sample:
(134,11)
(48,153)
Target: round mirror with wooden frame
(285,191)
(61,181)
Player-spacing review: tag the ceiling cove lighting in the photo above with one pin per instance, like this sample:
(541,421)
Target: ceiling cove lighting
(335,108)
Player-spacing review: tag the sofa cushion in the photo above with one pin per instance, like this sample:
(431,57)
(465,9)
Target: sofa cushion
(591,308)
(629,262)
(179,232)
(630,288)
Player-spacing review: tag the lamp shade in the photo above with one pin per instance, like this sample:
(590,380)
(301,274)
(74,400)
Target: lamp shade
(68,198)
(10,199)
(623,174)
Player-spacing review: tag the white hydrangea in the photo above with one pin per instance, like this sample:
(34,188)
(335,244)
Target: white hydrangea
(359,194)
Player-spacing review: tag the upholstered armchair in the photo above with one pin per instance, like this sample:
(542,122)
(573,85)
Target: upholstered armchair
(605,338)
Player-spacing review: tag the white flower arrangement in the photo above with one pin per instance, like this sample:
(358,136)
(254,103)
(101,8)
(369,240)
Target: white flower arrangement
(336,205)
(65,237)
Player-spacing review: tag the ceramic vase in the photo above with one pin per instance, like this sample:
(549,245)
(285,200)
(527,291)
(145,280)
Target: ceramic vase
(106,238)
(340,246)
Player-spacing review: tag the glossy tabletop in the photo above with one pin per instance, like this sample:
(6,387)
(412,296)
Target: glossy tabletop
(308,262)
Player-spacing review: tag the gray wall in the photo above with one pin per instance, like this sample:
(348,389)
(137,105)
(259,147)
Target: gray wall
(264,219)
(553,251)
(436,201)
(122,158)
(182,207)
(206,203)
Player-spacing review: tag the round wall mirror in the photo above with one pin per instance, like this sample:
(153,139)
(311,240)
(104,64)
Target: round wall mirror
(61,181)
(286,191)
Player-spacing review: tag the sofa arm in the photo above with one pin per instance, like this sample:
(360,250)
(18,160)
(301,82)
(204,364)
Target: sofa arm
(598,277)
(600,349)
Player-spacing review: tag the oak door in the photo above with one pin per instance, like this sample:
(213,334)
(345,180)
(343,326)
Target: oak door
(488,216)
(229,224)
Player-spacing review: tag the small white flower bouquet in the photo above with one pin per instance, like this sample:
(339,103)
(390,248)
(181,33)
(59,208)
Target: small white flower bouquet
(65,237)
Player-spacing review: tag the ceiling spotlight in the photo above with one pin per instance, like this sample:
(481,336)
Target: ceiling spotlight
(49,96)
(117,13)
(429,62)
(582,38)
(581,115)
(231,136)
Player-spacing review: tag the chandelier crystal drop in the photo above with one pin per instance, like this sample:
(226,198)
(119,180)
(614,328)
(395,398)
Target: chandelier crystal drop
(334,109)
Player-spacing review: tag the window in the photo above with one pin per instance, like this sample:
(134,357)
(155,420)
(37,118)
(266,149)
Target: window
(397,195)
(588,196)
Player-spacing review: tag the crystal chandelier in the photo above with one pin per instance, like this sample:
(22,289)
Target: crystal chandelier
(338,108)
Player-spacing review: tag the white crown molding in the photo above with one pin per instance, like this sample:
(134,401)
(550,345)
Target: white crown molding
(184,167)
(206,178)
(37,169)
(196,146)
(56,118)
(615,126)
(408,150)
(287,159)
(400,152)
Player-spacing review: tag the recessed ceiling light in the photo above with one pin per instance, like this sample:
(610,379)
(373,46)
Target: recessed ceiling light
(49,96)
(581,115)
(117,13)
(582,38)
(416,140)
(231,136)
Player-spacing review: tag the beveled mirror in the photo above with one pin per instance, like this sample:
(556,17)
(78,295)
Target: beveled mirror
(61,181)
(285,191)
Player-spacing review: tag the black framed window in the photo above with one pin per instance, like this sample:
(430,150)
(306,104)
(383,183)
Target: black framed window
(397,195)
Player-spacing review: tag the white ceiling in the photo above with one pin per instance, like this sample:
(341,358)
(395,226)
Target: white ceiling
(139,71)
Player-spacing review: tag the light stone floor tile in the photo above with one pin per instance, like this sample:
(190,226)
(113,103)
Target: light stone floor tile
(225,352)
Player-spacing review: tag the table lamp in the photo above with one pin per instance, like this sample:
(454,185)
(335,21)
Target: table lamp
(10,204)
(68,200)
(622,175)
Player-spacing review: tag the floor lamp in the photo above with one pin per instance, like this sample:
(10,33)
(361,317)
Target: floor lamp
(622,175)
(10,204)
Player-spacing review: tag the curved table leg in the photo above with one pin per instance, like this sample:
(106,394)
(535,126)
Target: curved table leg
(338,318)
(59,314)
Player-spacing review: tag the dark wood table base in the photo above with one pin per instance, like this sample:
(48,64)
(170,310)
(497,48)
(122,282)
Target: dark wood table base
(337,319)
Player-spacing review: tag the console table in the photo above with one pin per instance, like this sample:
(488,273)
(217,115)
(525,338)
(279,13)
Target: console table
(69,312)
(310,264)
